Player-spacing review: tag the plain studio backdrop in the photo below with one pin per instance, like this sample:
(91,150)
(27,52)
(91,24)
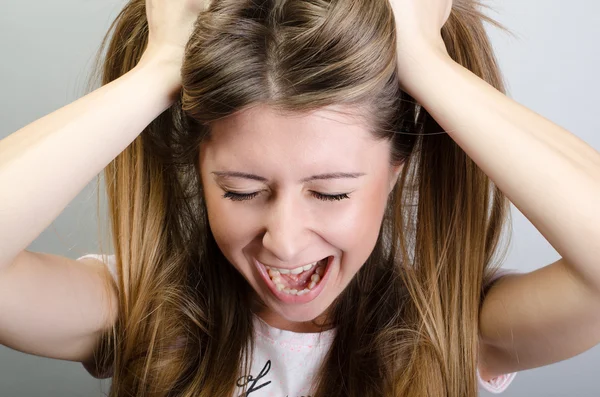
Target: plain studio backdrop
(46,51)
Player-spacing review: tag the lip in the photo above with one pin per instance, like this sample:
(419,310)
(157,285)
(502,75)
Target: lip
(294,299)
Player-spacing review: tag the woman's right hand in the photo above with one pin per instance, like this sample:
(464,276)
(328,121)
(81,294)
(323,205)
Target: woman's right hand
(170,24)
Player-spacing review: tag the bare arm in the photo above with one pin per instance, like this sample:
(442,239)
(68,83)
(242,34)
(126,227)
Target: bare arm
(535,319)
(53,306)
(56,307)
(553,177)
(549,174)
(44,165)
(50,305)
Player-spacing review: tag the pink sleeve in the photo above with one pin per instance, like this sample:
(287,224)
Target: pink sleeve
(500,383)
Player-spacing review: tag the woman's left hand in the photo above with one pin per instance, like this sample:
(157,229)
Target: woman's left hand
(419,22)
(418,28)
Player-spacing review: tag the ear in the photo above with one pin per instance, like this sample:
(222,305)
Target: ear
(395,171)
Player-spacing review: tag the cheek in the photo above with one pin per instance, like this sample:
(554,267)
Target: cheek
(356,228)
(228,228)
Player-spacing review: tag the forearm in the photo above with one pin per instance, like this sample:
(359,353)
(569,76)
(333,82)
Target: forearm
(44,165)
(551,175)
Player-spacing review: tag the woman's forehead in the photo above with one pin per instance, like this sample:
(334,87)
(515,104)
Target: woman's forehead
(263,116)
(263,135)
(265,125)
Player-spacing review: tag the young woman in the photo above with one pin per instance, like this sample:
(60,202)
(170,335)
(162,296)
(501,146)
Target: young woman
(306,198)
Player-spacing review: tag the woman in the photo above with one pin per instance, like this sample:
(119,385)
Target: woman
(295,223)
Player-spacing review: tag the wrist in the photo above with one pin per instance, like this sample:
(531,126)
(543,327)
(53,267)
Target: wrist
(418,63)
(165,64)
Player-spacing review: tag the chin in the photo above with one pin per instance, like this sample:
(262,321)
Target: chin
(299,315)
(286,315)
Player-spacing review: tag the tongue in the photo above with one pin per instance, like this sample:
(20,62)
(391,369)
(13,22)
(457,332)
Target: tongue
(298,281)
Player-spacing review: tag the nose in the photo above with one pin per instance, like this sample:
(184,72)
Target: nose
(286,234)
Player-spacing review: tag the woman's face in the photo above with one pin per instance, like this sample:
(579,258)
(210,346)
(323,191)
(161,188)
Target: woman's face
(286,192)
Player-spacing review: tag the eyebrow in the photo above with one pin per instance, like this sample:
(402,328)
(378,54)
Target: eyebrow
(331,175)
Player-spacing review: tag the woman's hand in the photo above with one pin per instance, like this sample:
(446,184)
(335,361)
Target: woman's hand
(170,24)
(418,32)
(419,23)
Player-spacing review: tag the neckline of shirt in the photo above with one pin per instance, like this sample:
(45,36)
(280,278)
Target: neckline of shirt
(262,328)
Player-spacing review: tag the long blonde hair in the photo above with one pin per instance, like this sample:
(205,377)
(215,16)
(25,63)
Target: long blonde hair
(407,325)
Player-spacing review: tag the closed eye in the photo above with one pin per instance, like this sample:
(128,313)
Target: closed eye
(330,197)
(239,196)
(249,196)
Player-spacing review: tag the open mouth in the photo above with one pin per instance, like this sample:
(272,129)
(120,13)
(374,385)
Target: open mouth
(297,286)
(298,281)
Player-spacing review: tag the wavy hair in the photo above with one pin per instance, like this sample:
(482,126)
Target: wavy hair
(407,324)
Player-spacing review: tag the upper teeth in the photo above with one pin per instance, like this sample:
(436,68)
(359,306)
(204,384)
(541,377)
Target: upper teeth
(297,270)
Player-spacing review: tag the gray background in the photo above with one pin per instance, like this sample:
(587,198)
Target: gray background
(46,53)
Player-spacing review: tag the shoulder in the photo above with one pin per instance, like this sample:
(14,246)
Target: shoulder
(499,383)
(100,370)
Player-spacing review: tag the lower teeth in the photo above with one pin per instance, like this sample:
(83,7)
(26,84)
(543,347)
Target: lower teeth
(315,279)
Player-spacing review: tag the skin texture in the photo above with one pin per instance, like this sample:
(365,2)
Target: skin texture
(286,224)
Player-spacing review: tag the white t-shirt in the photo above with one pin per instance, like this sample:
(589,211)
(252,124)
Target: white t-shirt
(284,362)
